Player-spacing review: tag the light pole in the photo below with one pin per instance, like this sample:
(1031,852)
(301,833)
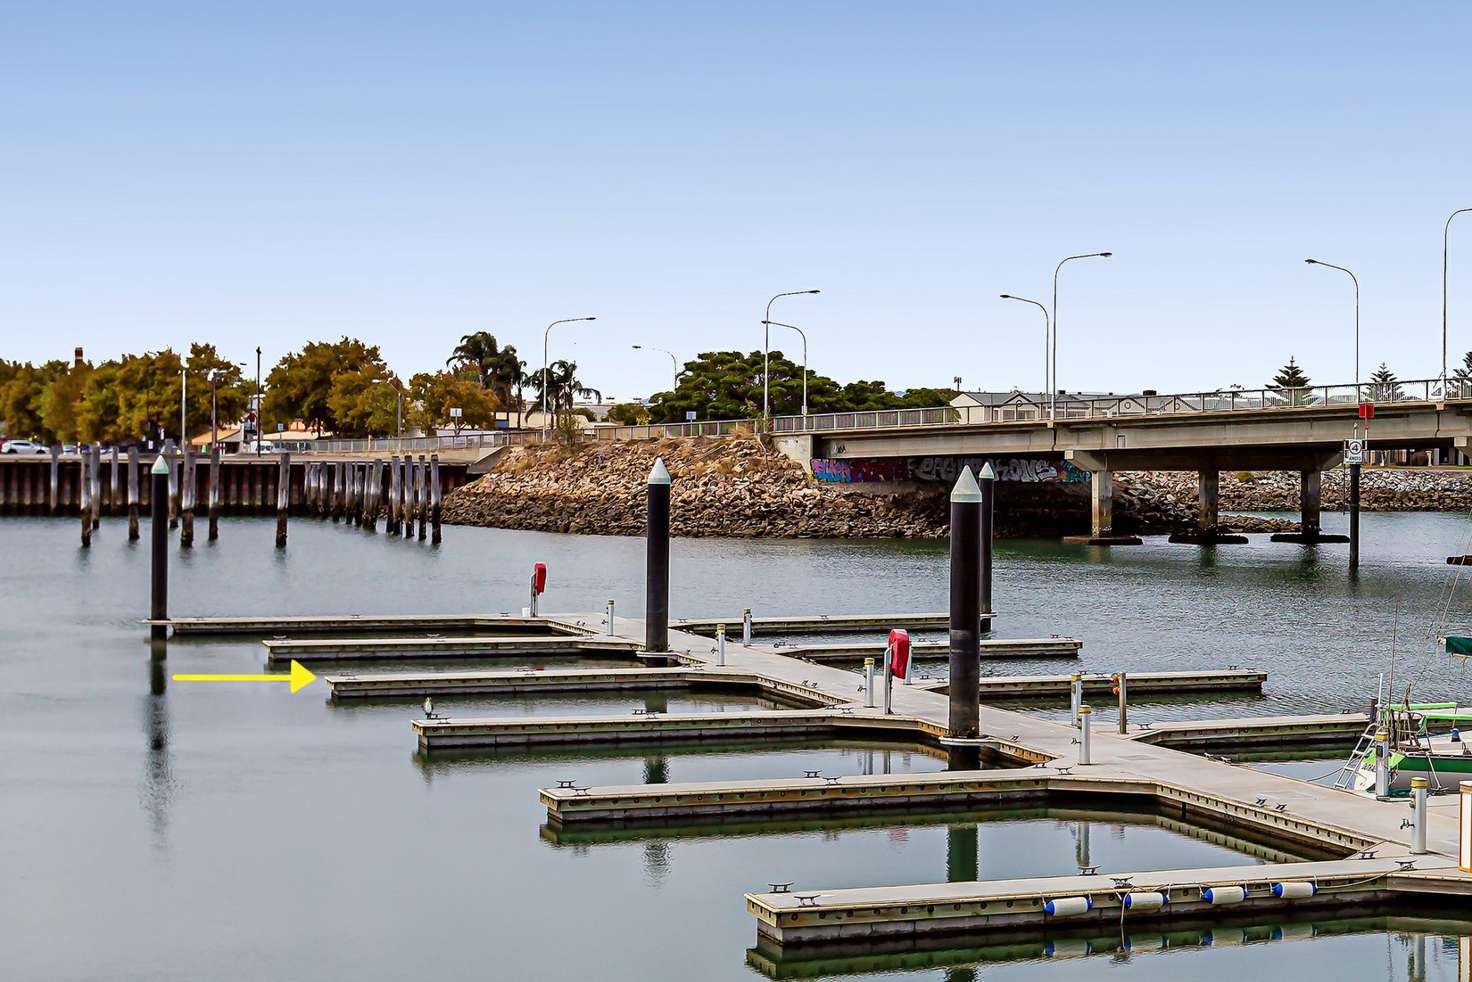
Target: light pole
(1053,357)
(259,422)
(183,405)
(1320,262)
(1445,236)
(1047,333)
(545,335)
(674,364)
(804,359)
(767,341)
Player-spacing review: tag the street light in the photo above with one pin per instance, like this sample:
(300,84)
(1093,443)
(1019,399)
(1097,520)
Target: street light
(674,363)
(1445,235)
(1053,389)
(545,335)
(1047,333)
(1320,262)
(804,359)
(259,422)
(767,341)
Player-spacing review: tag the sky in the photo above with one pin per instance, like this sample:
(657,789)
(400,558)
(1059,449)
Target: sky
(272,173)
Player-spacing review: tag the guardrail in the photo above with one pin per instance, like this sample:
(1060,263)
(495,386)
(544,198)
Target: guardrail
(1065,409)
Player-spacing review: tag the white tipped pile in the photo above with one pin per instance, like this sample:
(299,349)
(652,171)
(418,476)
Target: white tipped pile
(659,474)
(966,490)
(159,466)
(987,474)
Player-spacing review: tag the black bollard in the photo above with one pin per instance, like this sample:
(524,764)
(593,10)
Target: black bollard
(158,534)
(1354,517)
(657,563)
(988,484)
(965,621)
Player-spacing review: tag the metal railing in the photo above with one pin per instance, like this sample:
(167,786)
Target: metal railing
(1066,409)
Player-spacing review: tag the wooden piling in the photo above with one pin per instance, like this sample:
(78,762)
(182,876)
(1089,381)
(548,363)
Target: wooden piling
(96,509)
(133,494)
(375,494)
(86,496)
(411,496)
(423,496)
(360,487)
(214,493)
(283,499)
(115,492)
(173,487)
(435,500)
(55,493)
(186,499)
(392,525)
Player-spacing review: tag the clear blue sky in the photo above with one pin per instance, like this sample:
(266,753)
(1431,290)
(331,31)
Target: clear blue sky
(274,173)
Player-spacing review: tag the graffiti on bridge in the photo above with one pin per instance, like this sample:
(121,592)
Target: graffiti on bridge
(944,469)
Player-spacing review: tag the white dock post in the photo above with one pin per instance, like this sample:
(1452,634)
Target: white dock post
(868,683)
(720,646)
(610,618)
(1418,815)
(1382,764)
(1075,694)
(746,626)
(1464,823)
(888,681)
(1084,712)
(1121,686)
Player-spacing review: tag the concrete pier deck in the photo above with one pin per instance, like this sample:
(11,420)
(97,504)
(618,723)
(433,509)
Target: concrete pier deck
(361,624)
(1261,732)
(935,650)
(821,623)
(392,649)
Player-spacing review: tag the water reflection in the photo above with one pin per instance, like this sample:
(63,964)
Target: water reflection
(156,790)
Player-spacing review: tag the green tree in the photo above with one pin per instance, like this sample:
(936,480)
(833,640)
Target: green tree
(562,386)
(436,394)
(628,414)
(231,390)
(1291,377)
(1384,386)
(301,384)
(1462,375)
(363,401)
(60,401)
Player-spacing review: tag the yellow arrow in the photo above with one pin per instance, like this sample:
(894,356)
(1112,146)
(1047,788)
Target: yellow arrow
(300,677)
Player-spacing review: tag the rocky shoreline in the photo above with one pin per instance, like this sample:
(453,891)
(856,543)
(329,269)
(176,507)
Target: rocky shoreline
(738,487)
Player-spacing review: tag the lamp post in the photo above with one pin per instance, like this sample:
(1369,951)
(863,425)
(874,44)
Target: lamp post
(545,334)
(1053,357)
(1320,262)
(259,422)
(1047,333)
(804,359)
(674,364)
(183,404)
(767,343)
(1445,236)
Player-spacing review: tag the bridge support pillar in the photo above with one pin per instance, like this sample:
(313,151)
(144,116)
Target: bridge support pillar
(1208,484)
(1102,503)
(1310,501)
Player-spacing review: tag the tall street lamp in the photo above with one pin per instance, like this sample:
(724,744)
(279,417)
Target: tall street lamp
(1047,333)
(804,337)
(545,335)
(1053,358)
(1356,279)
(1445,235)
(259,422)
(767,343)
(674,364)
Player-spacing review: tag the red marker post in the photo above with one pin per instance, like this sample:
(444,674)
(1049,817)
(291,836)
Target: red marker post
(896,662)
(539,585)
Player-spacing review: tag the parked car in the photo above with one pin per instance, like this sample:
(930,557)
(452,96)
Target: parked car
(22,446)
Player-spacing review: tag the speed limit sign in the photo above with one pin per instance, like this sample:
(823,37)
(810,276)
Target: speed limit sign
(1354,451)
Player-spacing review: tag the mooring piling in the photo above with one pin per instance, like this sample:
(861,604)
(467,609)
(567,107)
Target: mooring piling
(411,495)
(158,534)
(987,481)
(436,499)
(657,559)
(115,492)
(172,489)
(186,499)
(55,498)
(422,491)
(1354,517)
(96,450)
(964,719)
(134,495)
(85,489)
(283,498)
(393,516)
(214,493)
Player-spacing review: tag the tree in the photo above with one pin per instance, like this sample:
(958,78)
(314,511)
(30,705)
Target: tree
(436,394)
(232,392)
(1384,386)
(1291,377)
(301,384)
(562,386)
(60,400)
(363,401)
(478,352)
(628,414)
(1462,374)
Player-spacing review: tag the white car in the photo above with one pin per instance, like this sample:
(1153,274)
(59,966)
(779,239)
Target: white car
(22,446)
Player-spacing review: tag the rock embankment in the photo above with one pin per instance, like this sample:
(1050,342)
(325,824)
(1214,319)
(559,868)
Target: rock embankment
(1381,489)
(730,487)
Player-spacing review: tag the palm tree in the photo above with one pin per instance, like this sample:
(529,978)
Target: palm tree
(562,386)
(478,351)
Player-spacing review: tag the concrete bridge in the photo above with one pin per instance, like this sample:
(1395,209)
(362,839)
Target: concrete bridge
(1270,429)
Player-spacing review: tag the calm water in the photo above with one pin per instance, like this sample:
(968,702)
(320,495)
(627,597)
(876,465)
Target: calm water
(168,831)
